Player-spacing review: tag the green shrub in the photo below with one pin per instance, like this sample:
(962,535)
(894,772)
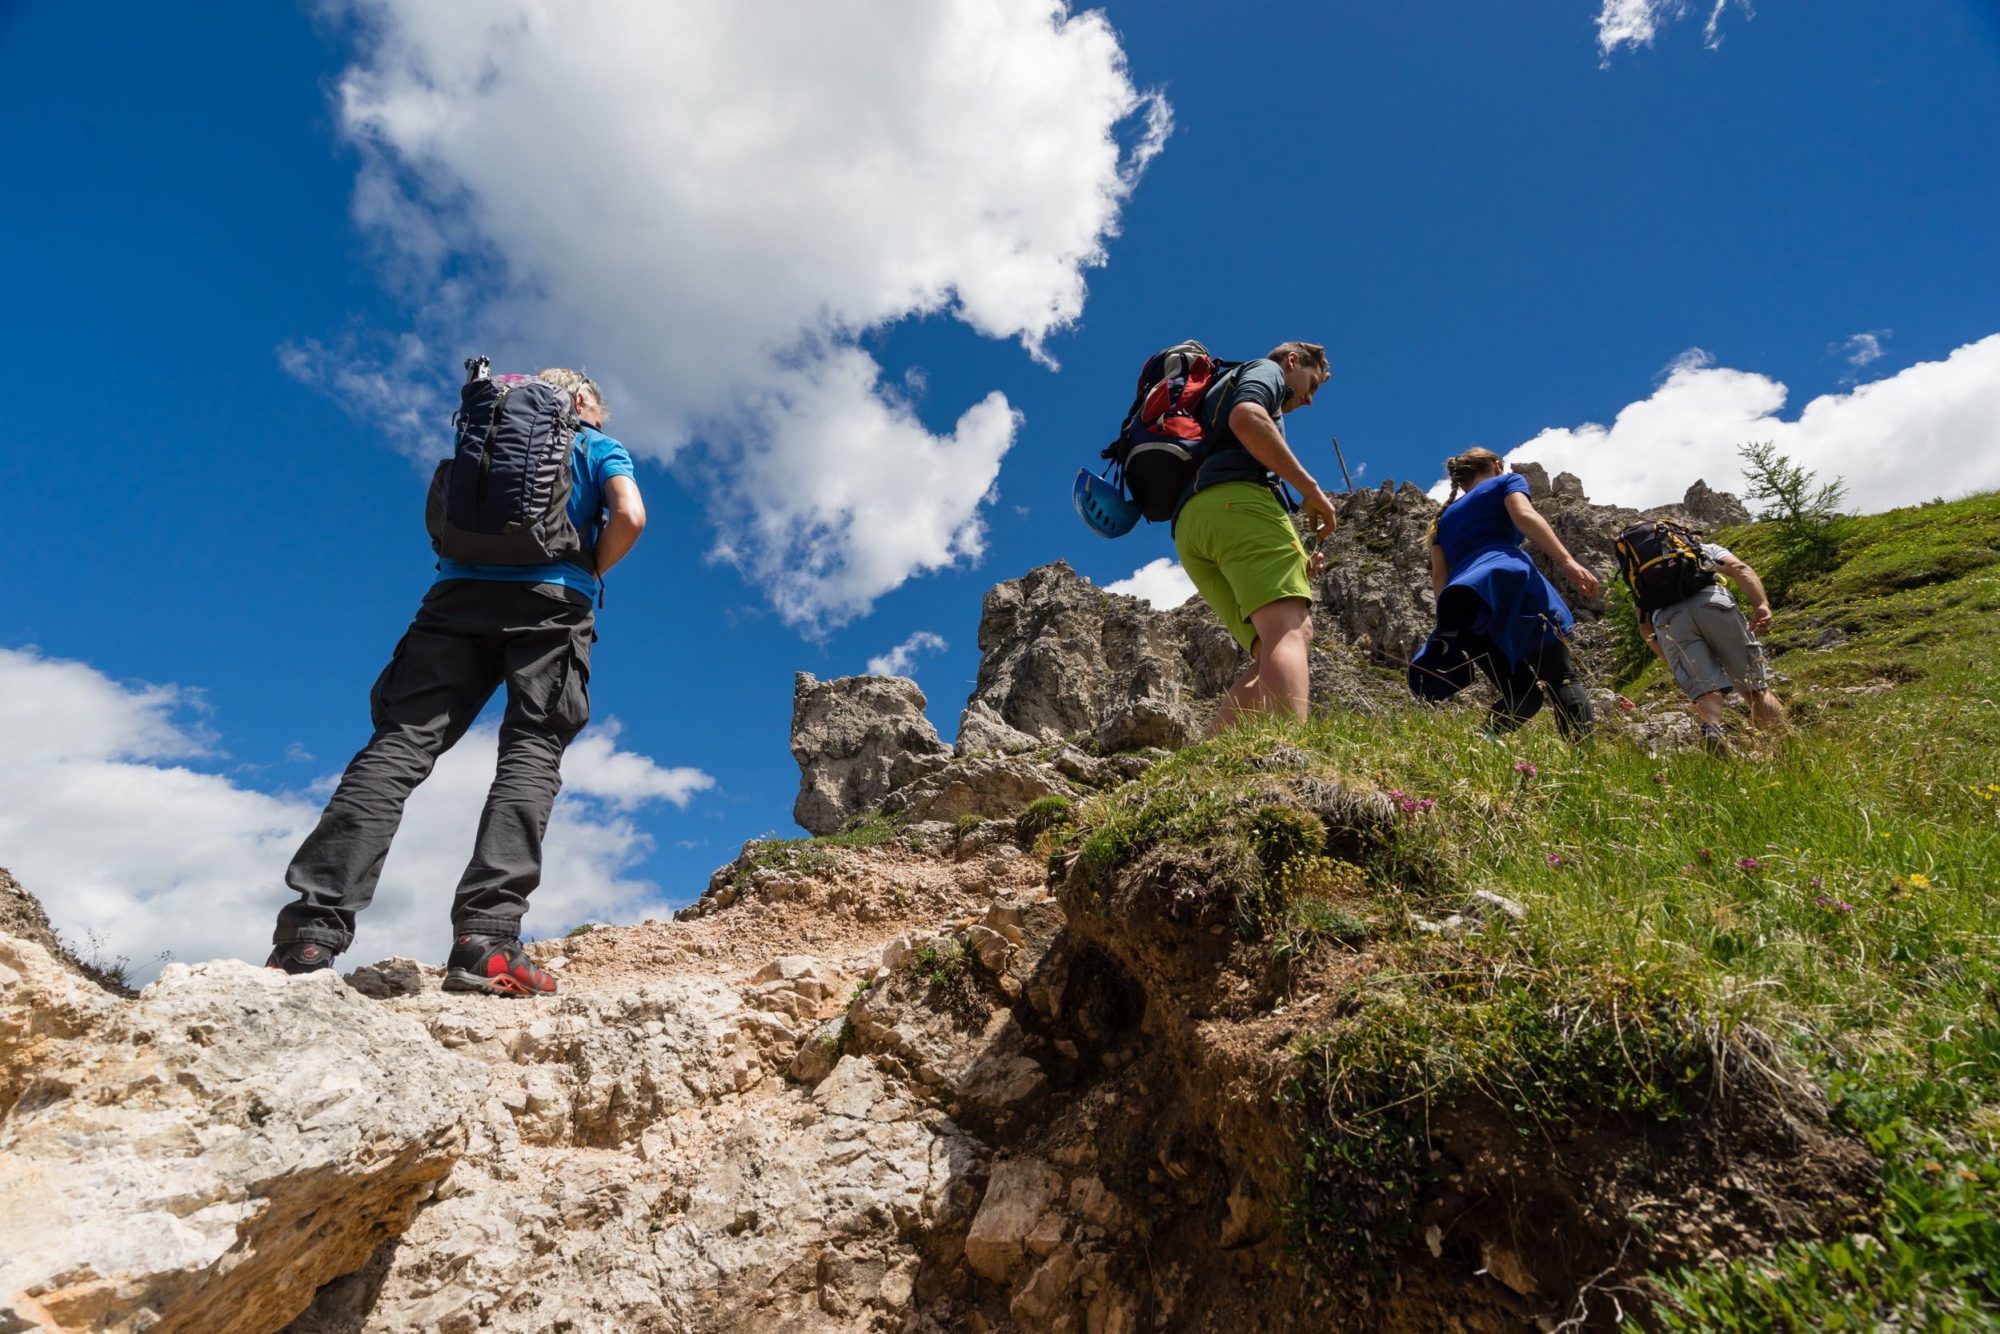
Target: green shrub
(1042,815)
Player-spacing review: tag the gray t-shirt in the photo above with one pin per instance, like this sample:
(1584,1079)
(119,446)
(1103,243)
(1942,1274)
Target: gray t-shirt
(1261,382)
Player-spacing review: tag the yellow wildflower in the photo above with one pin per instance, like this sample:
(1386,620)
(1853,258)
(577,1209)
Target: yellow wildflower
(1919,881)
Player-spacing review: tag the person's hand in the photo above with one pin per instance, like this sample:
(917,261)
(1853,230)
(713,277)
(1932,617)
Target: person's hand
(1760,616)
(1319,511)
(1580,578)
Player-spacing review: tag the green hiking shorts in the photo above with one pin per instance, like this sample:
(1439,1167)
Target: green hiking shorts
(1238,545)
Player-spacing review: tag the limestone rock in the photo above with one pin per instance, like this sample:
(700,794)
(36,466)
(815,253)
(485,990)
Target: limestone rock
(21,915)
(1708,508)
(981,731)
(819,1053)
(991,788)
(206,1156)
(856,739)
(1018,1193)
(1538,479)
(1485,905)
(394,977)
(1060,657)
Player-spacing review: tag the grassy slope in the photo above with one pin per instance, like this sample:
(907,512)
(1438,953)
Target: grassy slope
(1837,893)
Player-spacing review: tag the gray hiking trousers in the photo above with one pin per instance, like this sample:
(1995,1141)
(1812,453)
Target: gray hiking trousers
(469,637)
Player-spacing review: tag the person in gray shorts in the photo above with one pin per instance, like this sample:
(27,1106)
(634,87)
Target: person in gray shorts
(1711,648)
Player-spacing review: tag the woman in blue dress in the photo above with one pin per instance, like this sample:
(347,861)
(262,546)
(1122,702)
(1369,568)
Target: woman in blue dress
(1496,612)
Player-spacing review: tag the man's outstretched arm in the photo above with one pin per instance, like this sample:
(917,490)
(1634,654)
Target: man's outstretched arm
(628,520)
(1753,591)
(1256,432)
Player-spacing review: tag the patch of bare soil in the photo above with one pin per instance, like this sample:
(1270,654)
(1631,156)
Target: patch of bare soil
(843,911)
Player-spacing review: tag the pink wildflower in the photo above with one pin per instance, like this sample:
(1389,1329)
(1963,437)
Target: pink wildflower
(1749,864)
(1555,859)
(1525,768)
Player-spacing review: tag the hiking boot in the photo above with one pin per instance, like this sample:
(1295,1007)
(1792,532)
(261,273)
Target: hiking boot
(496,967)
(301,956)
(1713,741)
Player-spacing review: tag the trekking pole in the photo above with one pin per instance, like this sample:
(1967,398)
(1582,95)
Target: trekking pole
(1341,459)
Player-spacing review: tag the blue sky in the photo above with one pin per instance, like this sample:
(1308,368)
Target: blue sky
(253,242)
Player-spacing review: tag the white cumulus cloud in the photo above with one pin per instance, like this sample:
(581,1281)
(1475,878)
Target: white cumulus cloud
(898,660)
(1161,582)
(1636,22)
(706,205)
(1932,429)
(102,817)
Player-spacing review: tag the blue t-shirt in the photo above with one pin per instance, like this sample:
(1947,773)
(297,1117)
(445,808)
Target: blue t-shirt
(1478,521)
(595,459)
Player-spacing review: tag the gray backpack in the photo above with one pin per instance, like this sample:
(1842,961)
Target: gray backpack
(502,498)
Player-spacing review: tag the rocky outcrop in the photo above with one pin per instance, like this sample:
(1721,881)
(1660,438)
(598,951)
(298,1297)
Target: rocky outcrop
(857,739)
(1060,658)
(21,915)
(206,1156)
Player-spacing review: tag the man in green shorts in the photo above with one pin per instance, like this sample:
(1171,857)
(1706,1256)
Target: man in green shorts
(1236,540)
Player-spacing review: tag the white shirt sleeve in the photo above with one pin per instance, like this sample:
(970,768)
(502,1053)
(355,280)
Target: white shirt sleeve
(1713,554)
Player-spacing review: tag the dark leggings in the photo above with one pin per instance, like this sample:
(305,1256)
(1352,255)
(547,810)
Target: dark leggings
(1521,686)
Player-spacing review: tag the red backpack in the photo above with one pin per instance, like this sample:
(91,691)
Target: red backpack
(1164,437)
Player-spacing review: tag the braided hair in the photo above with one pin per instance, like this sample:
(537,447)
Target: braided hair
(1462,468)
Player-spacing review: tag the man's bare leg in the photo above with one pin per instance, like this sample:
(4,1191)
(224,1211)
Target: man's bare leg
(1283,648)
(1242,697)
(1766,713)
(1280,680)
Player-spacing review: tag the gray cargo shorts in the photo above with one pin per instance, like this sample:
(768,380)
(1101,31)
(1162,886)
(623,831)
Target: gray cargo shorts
(1709,645)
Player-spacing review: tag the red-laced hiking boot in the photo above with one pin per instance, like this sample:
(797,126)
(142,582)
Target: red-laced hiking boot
(301,956)
(496,967)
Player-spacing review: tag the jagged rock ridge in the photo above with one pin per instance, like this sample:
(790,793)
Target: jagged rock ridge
(1061,660)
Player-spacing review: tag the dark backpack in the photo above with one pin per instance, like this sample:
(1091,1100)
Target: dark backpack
(502,498)
(1660,561)
(1164,438)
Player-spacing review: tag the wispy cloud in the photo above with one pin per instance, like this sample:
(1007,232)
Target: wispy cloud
(899,660)
(1636,23)
(1859,351)
(727,198)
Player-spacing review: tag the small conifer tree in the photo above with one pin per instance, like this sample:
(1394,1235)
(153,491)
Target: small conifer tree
(1805,511)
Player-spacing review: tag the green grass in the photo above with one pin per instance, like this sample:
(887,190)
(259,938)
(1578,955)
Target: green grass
(810,856)
(1836,892)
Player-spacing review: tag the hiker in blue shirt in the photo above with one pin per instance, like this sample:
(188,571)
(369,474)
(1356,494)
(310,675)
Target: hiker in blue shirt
(1495,610)
(527,626)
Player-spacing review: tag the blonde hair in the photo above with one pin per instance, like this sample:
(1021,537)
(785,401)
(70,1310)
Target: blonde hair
(1462,468)
(576,382)
(1312,354)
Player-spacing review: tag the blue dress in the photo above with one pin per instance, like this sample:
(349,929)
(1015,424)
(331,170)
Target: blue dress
(1494,593)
